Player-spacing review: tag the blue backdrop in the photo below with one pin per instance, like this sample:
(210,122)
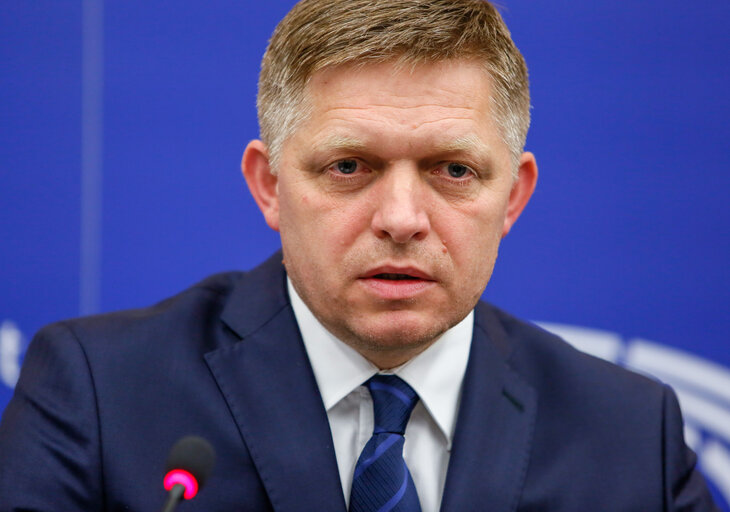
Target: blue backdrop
(122,125)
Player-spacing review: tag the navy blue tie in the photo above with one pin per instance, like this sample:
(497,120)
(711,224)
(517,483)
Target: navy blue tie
(382,482)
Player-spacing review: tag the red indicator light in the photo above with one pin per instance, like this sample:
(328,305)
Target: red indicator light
(182,477)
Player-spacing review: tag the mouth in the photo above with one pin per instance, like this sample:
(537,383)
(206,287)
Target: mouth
(393,273)
(395,277)
(397,283)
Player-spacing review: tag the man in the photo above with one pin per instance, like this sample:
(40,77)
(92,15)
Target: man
(391,163)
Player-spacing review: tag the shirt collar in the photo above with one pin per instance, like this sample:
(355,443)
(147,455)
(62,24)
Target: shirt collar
(436,374)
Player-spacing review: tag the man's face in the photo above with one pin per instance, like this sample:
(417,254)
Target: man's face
(391,200)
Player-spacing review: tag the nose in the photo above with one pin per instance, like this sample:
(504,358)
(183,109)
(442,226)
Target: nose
(400,202)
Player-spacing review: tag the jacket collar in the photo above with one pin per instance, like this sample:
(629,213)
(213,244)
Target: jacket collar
(268,383)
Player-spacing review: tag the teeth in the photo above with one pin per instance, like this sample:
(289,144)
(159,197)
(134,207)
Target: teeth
(395,277)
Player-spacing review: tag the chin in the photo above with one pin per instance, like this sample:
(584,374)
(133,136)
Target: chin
(398,333)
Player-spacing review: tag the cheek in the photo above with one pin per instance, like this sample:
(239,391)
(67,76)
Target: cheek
(471,238)
(319,220)
(344,221)
(471,228)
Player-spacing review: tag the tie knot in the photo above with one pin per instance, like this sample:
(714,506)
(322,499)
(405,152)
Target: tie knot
(393,401)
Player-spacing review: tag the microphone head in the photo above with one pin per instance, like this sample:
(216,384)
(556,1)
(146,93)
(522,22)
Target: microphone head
(190,462)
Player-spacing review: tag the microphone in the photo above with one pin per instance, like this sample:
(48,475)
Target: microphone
(188,466)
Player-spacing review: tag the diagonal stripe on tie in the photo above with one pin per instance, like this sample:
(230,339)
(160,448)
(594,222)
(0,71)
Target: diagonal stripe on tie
(364,464)
(391,504)
(382,482)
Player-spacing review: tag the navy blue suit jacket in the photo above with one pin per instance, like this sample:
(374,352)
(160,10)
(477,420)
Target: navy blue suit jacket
(100,401)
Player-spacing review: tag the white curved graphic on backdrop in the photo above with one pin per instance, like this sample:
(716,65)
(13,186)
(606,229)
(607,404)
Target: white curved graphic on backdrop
(11,342)
(702,387)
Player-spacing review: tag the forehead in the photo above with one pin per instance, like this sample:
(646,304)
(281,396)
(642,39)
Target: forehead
(392,104)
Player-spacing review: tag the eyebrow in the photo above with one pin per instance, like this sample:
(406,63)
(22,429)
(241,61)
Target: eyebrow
(466,144)
(342,143)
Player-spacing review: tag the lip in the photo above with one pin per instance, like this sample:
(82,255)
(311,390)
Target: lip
(403,289)
(414,272)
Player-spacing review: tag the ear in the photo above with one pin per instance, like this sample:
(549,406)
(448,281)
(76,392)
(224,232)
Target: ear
(261,182)
(521,191)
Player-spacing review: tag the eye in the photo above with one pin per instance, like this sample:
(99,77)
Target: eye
(456,170)
(347,172)
(345,166)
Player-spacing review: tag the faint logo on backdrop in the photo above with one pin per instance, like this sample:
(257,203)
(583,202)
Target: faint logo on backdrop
(703,389)
(11,345)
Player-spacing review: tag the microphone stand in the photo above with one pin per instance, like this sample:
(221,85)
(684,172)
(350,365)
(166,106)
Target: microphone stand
(174,497)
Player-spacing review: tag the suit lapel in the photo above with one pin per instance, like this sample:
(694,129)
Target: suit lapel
(494,429)
(270,389)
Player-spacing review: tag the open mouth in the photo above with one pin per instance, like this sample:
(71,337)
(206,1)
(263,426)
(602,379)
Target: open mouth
(397,283)
(396,277)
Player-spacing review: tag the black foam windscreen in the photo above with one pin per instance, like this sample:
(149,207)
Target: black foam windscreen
(193,454)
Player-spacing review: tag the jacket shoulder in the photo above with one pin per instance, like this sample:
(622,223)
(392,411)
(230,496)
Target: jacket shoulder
(546,361)
(593,415)
(198,303)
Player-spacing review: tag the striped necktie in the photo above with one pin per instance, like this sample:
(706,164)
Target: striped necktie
(382,482)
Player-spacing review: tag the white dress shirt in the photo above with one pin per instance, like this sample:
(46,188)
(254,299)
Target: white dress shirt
(436,374)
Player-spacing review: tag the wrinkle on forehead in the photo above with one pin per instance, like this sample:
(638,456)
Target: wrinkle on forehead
(374,104)
(378,122)
(434,108)
(367,100)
